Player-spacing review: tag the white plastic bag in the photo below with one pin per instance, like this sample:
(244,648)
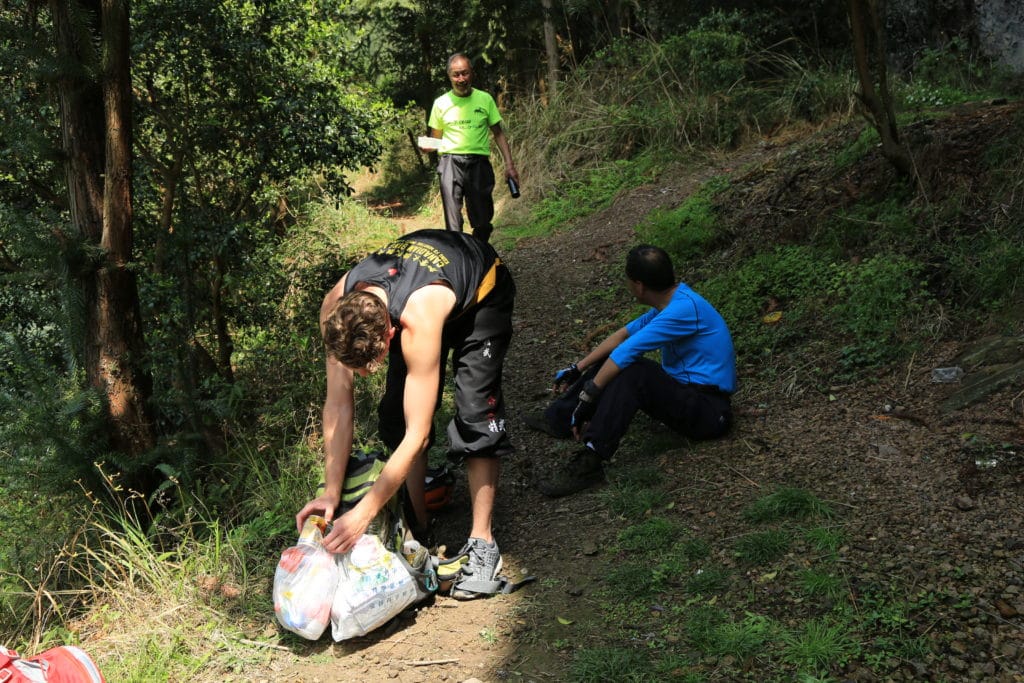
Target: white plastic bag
(305,583)
(374,584)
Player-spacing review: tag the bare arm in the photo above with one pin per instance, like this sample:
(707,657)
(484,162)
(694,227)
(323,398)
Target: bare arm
(506,152)
(422,323)
(338,418)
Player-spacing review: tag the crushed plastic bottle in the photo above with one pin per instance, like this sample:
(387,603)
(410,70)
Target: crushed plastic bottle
(947,375)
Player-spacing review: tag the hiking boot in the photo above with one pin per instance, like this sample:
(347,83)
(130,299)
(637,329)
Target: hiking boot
(584,470)
(540,423)
(478,576)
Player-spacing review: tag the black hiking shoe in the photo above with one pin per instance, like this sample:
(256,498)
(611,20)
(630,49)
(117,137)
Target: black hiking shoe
(540,423)
(584,470)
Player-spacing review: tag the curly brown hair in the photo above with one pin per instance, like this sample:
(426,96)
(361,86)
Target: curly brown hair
(356,331)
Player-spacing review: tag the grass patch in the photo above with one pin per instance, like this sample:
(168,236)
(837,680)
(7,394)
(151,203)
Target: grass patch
(820,584)
(599,665)
(787,503)
(817,646)
(630,501)
(653,534)
(763,546)
(708,581)
(687,231)
(825,539)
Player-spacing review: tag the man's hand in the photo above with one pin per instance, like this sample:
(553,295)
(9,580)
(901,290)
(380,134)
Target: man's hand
(586,407)
(346,530)
(565,377)
(324,506)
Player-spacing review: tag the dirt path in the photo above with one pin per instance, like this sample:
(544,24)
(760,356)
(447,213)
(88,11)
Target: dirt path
(458,641)
(916,504)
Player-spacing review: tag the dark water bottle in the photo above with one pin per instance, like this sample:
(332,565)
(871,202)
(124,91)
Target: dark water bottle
(513,187)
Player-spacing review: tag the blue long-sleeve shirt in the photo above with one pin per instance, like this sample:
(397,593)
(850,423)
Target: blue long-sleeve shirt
(695,344)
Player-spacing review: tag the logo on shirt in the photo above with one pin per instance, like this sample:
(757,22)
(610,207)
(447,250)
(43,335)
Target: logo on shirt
(480,110)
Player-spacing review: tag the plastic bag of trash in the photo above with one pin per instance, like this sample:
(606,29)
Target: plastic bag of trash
(305,583)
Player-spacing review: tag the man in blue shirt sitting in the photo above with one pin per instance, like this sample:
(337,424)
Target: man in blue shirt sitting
(689,391)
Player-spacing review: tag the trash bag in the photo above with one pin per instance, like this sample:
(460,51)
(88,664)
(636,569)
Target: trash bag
(305,582)
(374,585)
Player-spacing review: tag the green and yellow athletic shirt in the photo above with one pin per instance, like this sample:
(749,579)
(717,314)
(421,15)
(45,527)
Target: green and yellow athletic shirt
(464,122)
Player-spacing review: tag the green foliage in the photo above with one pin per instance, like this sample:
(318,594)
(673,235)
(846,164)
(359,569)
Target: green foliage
(577,198)
(877,303)
(630,501)
(707,581)
(818,645)
(950,74)
(821,584)
(653,534)
(792,276)
(825,539)
(741,639)
(787,503)
(598,665)
(763,546)
(889,224)
(987,267)
(687,231)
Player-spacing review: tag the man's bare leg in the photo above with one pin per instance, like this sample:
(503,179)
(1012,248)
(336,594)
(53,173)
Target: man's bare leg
(483,484)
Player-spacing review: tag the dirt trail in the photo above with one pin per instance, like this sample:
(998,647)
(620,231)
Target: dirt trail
(490,639)
(916,505)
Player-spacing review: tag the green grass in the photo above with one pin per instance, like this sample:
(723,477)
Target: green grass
(818,646)
(631,502)
(787,503)
(762,547)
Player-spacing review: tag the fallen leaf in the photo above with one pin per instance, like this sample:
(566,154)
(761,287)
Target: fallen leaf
(564,621)
(772,318)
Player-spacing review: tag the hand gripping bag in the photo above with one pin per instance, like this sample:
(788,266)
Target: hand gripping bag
(304,583)
(63,664)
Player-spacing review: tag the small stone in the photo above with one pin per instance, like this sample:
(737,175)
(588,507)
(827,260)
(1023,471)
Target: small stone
(1006,610)
(965,503)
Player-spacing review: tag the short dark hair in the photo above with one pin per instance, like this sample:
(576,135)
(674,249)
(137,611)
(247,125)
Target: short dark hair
(651,267)
(457,55)
(355,332)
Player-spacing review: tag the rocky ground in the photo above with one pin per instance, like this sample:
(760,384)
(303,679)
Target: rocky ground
(926,476)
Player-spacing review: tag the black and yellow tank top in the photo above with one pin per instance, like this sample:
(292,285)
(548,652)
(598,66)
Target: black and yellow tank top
(468,265)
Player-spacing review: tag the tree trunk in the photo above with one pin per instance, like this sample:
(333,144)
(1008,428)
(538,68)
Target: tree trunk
(869,56)
(97,139)
(550,47)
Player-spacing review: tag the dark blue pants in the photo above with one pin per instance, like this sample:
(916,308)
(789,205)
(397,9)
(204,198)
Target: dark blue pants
(694,411)
(478,341)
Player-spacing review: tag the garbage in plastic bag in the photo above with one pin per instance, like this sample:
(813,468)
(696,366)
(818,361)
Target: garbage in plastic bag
(305,583)
(374,585)
(947,375)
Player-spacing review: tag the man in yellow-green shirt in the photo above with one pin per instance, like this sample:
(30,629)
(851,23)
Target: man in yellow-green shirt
(461,119)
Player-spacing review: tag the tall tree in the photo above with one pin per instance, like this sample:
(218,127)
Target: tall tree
(550,45)
(94,90)
(869,55)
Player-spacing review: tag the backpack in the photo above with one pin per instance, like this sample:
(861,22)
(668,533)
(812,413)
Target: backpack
(63,664)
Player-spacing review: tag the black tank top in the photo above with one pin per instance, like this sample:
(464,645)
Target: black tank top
(420,258)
